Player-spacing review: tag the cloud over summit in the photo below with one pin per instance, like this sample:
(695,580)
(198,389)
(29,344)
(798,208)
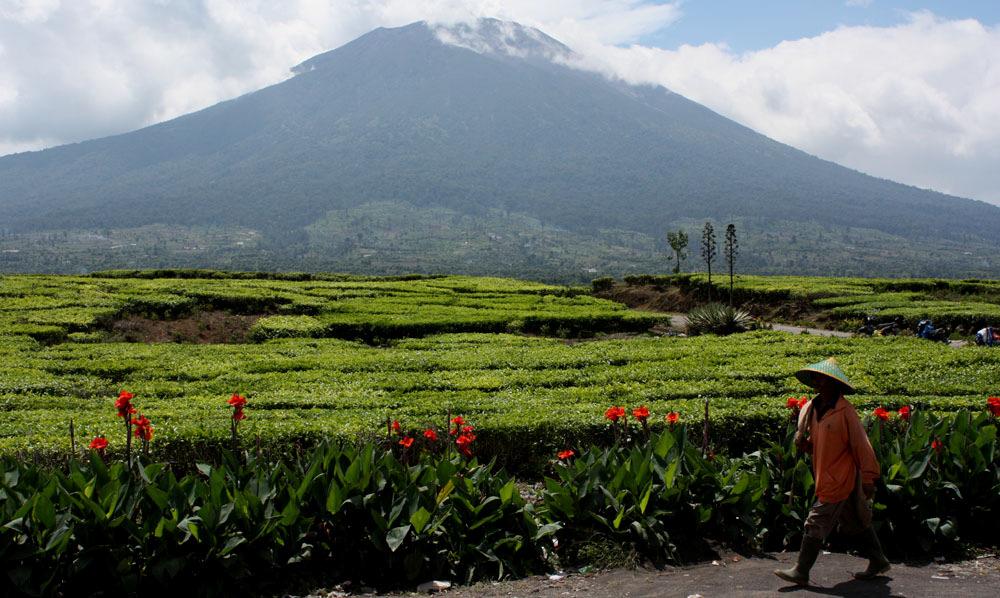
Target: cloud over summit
(918,102)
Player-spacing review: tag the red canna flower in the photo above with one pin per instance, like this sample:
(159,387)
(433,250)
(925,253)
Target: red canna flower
(641,413)
(881,413)
(396,428)
(672,418)
(458,422)
(792,403)
(802,401)
(464,443)
(124,404)
(238,404)
(406,442)
(936,445)
(614,413)
(904,412)
(99,444)
(430,434)
(566,454)
(993,404)
(143,428)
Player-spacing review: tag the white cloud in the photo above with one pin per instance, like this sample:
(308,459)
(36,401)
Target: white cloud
(87,68)
(918,102)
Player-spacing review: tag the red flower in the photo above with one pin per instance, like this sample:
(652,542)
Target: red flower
(143,428)
(792,403)
(238,404)
(614,413)
(936,445)
(464,443)
(396,428)
(431,435)
(672,417)
(124,404)
(406,442)
(99,443)
(467,429)
(802,401)
(458,421)
(904,412)
(993,404)
(640,413)
(566,454)
(881,413)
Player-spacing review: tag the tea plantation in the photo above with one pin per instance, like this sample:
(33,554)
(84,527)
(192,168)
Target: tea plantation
(965,304)
(336,356)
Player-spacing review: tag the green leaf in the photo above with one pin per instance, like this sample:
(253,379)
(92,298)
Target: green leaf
(507,492)
(618,520)
(645,498)
(231,544)
(445,491)
(396,536)
(419,519)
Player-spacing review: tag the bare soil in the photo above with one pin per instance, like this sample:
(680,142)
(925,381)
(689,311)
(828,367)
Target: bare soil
(201,327)
(738,576)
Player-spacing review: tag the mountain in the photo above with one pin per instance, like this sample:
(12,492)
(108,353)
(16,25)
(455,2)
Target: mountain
(503,158)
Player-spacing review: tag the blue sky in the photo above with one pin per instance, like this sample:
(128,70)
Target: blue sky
(752,25)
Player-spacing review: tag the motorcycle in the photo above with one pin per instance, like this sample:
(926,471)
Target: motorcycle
(927,330)
(872,327)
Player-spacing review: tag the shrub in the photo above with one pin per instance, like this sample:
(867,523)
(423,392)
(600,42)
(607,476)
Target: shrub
(717,318)
(604,283)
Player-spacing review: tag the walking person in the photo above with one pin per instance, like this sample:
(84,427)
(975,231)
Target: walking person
(845,470)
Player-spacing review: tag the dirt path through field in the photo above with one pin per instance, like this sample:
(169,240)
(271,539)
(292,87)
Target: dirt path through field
(736,576)
(679,322)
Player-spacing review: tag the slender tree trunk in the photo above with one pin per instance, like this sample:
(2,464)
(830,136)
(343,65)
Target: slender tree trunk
(709,281)
(730,284)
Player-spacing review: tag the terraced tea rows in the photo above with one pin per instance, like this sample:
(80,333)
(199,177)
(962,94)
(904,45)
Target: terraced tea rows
(969,304)
(54,309)
(528,394)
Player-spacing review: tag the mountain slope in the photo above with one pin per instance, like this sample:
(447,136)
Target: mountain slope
(468,119)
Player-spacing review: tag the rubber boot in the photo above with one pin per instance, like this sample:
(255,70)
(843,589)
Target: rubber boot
(799,574)
(872,548)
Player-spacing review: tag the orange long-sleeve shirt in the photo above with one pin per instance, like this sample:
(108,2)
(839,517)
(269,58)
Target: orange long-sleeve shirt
(840,446)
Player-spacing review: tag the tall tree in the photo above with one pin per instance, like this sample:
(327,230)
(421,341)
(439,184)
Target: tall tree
(731,251)
(708,252)
(678,243)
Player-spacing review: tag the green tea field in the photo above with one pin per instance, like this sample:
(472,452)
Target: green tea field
(335,358)
(963,304)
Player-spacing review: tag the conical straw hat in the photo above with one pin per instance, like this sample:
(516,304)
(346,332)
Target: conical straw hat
(827,367)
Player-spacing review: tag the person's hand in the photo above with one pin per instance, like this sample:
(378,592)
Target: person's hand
(869,490)
(803,443)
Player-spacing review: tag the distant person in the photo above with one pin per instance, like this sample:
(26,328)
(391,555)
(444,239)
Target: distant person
(988,337)
(845,470)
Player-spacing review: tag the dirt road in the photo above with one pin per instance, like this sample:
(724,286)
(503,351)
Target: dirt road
(753,577)
(679,322)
